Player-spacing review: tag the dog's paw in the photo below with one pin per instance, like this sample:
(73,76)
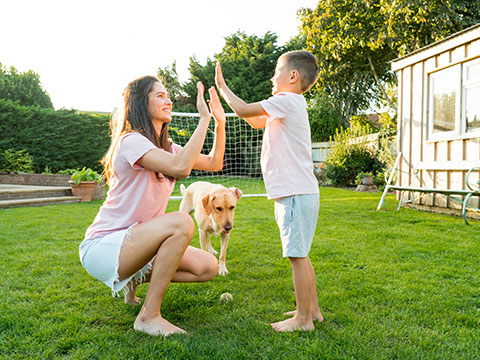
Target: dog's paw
(213,251)
(222,270)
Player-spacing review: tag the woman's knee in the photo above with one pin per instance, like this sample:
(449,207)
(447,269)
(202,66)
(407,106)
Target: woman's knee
(184,224)
(210,267)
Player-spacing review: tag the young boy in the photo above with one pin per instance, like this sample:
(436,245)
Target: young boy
(288,172)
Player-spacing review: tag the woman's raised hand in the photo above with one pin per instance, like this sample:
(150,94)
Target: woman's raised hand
(216,107)
(201,104)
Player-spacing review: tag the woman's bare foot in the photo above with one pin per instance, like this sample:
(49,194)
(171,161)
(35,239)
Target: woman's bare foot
(131,299)
(316,315)
(156,326)
(293,324)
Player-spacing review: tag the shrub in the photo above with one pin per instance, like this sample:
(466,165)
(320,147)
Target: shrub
(16,161)
(86,174)
(55,139)
(350,155)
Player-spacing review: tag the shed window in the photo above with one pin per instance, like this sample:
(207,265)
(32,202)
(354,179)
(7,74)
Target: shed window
(444,96)
(454,101)
(471,95)
(444,100)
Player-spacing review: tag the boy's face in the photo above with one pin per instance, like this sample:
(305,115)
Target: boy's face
(281,79)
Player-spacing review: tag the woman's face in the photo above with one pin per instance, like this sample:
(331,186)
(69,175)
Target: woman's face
(159,104)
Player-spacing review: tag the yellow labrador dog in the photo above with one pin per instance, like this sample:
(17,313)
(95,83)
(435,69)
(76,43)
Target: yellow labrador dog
(214,207)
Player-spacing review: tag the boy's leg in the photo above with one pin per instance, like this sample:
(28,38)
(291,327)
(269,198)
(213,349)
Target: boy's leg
(314,308)
(302,283)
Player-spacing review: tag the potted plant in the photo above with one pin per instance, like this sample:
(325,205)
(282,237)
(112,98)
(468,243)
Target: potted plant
(83,182)
(365,178)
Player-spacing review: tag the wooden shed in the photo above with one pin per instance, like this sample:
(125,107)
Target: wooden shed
(439,119)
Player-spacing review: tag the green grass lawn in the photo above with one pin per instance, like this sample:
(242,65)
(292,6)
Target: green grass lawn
(391,285)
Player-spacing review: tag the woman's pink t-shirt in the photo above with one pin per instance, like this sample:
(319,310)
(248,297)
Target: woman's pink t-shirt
(136,194)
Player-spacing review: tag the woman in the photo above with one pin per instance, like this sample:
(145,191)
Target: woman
(132,239)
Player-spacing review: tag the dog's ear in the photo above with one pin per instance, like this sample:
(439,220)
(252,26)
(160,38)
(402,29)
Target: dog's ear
(207,203)
(237,192)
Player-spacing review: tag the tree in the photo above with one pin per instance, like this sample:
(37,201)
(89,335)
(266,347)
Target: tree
(413,24)
(169,78)
(355,40)
(248,63)
(24,88)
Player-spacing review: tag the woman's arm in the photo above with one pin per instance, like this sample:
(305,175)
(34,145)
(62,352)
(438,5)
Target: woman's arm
(180,164)
(214,160)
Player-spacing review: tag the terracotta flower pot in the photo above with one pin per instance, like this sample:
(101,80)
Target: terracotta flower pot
(367,180)
(84,190)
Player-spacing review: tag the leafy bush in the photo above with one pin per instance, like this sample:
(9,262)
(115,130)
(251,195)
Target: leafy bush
(16,161)
(55,139)
(349,156)
(68,171)
(86,174)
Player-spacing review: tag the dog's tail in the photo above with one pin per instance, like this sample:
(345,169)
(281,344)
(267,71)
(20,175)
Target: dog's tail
(182,189)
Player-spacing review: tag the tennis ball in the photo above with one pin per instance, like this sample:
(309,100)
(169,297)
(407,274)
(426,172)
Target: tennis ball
(226,297)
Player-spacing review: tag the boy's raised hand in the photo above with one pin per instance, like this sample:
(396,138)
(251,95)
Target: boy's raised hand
(216,107)
(219,80)
(201,104)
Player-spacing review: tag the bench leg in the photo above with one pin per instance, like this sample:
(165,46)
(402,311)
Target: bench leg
(464,207)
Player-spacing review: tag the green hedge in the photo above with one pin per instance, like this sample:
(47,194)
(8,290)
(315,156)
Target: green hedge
(56,140)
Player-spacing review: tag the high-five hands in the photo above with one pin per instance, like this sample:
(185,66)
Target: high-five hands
(216,107)
(201,104)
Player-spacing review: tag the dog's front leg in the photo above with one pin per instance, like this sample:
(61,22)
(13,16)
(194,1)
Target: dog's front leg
(205,242)
(222,266)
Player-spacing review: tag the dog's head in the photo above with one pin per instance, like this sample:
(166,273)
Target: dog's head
(221,204)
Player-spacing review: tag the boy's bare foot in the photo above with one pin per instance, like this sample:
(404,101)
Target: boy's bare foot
(293,324)
(156,326)
(316,315)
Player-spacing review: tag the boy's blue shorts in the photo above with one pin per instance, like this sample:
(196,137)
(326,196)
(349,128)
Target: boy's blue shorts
(296,218)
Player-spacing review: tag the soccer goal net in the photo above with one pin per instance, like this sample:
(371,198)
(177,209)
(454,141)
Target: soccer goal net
(241,164)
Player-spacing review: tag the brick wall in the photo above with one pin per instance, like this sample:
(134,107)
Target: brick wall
(47,180)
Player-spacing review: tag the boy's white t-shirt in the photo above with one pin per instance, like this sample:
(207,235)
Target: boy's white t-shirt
(136,194)
(286,158)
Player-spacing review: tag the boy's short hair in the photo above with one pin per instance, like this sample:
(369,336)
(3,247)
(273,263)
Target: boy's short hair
(306,64)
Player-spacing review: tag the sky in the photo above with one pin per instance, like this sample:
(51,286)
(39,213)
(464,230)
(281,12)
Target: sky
(86,52)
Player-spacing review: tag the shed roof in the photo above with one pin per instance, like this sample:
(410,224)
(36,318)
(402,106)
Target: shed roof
(469,34)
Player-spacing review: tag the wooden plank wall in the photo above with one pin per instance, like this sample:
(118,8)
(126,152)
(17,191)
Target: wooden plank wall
(413,131)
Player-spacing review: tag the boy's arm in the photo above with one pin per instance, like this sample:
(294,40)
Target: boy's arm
(253,113)
(258,122)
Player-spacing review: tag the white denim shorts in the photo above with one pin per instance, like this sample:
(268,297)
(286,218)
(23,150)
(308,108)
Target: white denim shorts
(296,218)
(100,258)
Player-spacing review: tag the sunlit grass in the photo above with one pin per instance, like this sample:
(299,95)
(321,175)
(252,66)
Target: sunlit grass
(391,285)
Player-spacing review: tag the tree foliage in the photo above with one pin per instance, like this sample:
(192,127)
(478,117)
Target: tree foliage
(355,40)
(248,64)
(24,88)
(169,78)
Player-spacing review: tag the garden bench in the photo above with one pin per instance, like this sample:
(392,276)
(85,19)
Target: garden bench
(431,166)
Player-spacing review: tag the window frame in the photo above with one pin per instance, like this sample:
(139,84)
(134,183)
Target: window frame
(466,85)
(457,131)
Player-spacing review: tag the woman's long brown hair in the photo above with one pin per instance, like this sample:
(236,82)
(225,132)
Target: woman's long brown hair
(134,118)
